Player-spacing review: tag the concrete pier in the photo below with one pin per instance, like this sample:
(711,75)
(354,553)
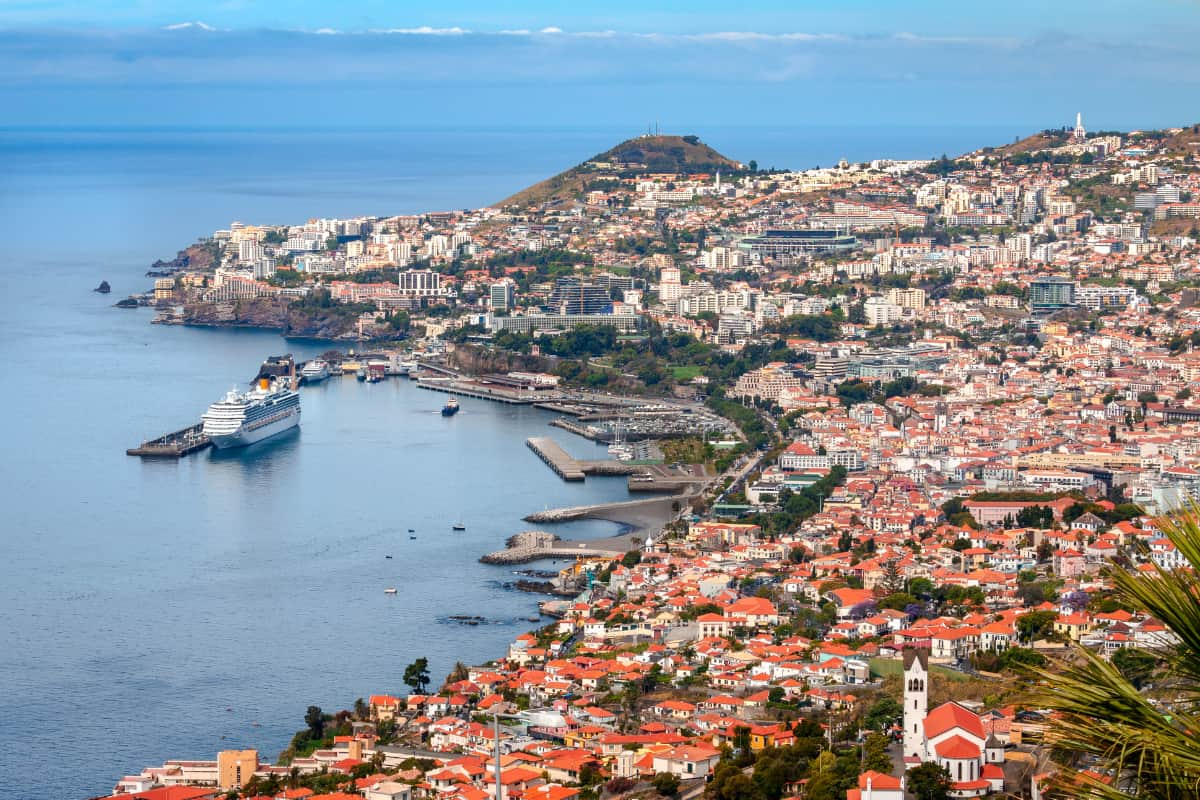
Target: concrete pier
(555,457)
(570,468)
(472,389)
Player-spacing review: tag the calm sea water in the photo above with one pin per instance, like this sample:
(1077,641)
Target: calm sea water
(153,610)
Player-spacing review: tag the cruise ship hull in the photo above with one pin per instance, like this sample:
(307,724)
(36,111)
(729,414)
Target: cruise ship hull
(243,436)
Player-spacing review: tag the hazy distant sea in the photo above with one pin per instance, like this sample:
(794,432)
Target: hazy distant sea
(169,610)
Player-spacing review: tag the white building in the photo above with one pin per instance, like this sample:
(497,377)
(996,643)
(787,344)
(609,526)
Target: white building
(880,312)
(420,283)
(669,286)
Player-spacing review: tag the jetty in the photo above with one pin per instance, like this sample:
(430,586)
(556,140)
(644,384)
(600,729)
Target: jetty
(529,546)
(173,445)
(620,511)
(570,468)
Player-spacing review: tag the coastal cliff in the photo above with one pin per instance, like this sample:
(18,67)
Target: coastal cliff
(201,255)
(275,313)
(481,361)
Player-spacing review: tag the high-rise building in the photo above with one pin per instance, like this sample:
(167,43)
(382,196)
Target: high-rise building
(1051,294)
(879,311)
(907,298)
(724,259)
(502,295)
(420,283)
(734,325)
(400,253)
(235,768)
(573,296)
(669,286)
(249,250)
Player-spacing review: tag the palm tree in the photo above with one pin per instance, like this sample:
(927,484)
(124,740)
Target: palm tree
(1114,742)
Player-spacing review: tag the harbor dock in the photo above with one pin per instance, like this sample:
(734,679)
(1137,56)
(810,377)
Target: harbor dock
(570,468)
(173,445)
(476,389)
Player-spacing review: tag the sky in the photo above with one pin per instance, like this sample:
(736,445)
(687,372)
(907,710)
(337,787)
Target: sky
(867,63)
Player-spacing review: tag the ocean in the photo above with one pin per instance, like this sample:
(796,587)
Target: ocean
(153,610)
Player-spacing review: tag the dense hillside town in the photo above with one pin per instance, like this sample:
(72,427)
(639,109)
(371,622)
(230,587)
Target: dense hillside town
(965,387)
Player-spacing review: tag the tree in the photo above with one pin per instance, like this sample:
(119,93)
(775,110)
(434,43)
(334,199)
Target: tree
(666,784)
(883,712)
(930,781)
(1135,665)
(315,720)
(1102,720)
(1033,625)
(730,783)
(459,673)
(416,675)
(875,755)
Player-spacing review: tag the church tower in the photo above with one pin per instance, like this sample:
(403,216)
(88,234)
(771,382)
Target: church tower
(916,700)
(941,413)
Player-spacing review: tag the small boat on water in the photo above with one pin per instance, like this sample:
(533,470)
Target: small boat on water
(412,530)
(451,407)
(412,537)
(389,590)
(458,526)
(361,373)
(387,556)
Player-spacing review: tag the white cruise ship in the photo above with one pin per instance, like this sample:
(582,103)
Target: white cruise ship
(242,418)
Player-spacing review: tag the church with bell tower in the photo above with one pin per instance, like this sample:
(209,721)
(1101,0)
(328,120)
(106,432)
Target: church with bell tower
(950,735)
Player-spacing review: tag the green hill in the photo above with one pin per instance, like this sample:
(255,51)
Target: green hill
(645,154)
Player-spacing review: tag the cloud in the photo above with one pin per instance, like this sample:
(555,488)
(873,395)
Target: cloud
(182,26)
(423,30)
(551,29)
(757,36)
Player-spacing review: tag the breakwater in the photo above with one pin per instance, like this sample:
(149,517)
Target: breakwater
(537,545)
(629,512)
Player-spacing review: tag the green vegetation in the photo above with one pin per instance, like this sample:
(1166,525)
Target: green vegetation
(685,154)
(795,507)
(685,374)
(856,391)
(930,781)
(686,451)
(666,784)
(1104,721)
(416,675)
(1011,659)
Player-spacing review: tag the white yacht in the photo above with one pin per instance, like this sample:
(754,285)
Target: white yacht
(242,418)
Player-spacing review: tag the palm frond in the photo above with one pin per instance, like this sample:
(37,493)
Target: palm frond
(1103,721)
